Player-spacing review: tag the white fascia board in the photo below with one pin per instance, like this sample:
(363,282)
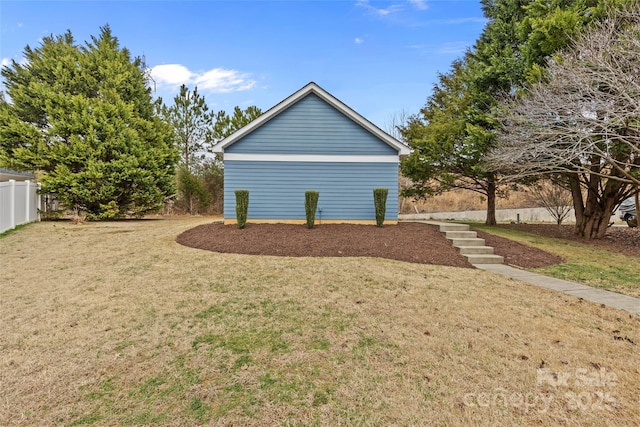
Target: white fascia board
(268,115)
(359,119)
(310,158)
(326,96)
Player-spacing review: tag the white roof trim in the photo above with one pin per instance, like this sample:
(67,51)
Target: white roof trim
(326,158)
(326,96)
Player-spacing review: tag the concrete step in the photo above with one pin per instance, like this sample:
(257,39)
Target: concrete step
(461,234)
(484,259)
(465,250)
(467,242)
(453,227)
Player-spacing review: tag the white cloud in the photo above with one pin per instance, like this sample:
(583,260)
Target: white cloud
(358,40)
(452,48)
(5,62)
(171,74)
(457,21)
(447,48)
(220,80)
(419,4)
(217,80)
(394,8)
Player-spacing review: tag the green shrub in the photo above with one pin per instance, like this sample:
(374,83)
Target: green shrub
(242,207)
(310,206)
(193,196)
(380,202)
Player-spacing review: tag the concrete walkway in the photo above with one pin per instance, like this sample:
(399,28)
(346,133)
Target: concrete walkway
(600,296)
(577,290)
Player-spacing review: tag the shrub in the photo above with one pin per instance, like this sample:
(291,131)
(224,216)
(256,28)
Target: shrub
(242,207)
(555,198)
(310,206)
(213,177)
(193,196)
(380,202)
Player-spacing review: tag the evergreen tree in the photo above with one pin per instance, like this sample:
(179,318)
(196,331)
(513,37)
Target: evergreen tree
(83,115)
(225,125)
(450,137)
(191,122)
(192,192)
(195,130)
(458,127)
(581,123)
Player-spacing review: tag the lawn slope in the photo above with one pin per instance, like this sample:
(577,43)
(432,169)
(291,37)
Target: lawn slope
(117,324)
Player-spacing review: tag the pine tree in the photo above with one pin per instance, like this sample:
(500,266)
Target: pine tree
(83,115)
(192,126)
(455,131)
(225,125)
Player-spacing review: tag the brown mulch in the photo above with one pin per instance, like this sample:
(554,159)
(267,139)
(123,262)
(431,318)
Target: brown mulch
(411,242)
(517,254)
(621,239)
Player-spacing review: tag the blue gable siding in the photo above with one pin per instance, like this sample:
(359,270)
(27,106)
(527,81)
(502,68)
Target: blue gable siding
(276,189)
(311,126)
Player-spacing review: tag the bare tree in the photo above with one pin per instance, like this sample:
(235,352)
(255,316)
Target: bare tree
(394,123)
(555,198)
(582,122)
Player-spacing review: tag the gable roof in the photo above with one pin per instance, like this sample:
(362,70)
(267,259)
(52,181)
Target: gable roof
(312,88)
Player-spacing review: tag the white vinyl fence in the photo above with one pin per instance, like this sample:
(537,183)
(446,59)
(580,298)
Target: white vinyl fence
(19,203)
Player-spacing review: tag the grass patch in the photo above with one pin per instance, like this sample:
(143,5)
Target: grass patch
(199,411)
(13,230)
(192,340)
(592,266)
(87,420)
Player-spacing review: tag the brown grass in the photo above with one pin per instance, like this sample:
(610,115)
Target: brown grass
(116,324)
(465,200)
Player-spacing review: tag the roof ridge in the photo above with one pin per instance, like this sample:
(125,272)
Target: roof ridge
(332,100)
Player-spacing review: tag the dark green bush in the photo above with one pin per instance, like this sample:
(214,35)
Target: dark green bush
(193,196)
(380,202)
(310,206)
(242,207)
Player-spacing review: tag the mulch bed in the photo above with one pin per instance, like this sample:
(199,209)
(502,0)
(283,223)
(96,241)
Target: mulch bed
(621,239)
(411,242)
(517,254)
(404,242)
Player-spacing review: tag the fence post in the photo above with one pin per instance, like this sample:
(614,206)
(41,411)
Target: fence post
(38,188)
(12,203)
(27,208)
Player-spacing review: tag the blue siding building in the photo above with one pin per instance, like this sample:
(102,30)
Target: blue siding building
(310,141)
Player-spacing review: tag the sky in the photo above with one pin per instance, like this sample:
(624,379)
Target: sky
(381,58)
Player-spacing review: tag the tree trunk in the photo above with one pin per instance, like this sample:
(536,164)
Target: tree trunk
(578,202)
(598,209)
(191,204)
(491,201)
(595,222)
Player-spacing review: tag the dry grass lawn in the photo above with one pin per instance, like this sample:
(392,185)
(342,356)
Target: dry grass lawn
(116,324)
(464,200)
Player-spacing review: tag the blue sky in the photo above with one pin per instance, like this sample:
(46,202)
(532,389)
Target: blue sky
(378,57)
